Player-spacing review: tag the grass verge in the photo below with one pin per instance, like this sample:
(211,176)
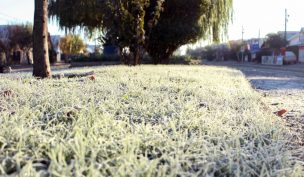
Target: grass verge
(141,121)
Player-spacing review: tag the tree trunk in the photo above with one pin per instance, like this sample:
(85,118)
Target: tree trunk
(156,60)
(169,52)
(2,61)
(28,57)
(162,56)
(42,67)
(165,60)
(137,56)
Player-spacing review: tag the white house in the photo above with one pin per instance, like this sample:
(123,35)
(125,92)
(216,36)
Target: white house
(18,55)
(298,40)
(289,34)
(55,45)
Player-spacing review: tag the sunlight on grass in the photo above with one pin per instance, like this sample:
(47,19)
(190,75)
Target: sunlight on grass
(141,121)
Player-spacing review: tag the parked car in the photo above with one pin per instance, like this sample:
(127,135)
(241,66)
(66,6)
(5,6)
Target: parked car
(290,58)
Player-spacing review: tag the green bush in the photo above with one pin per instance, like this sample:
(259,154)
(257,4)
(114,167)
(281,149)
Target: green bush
(210,53)
(185,60)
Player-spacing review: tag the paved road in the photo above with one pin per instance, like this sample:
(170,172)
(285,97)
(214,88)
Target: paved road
(282,87)
(270,78)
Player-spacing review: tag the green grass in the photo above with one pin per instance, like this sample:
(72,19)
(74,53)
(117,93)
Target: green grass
(141,121)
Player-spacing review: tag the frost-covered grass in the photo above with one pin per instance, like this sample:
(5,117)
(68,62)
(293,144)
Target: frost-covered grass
(141,121)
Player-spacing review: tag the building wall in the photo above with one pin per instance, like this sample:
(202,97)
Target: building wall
(294,41)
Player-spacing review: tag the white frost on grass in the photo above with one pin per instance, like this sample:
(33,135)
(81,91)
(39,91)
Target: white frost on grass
(141,121)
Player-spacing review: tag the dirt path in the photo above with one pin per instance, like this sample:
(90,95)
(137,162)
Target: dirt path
(283,88)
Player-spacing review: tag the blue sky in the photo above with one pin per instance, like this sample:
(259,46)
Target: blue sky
(254,15)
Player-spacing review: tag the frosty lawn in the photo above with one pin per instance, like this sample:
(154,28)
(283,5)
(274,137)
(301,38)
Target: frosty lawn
(141,121)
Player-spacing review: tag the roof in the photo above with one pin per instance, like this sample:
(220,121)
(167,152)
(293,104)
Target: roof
(290,34)
(297,39)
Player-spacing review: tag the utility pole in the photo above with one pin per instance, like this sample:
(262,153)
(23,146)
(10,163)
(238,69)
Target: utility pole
(259,37)
(286,20)
(242,47)
(243,33)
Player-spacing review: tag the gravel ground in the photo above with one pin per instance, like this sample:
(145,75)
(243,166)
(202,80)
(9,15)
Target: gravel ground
(283,88)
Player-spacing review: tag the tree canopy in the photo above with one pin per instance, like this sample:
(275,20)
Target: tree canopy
(72,44)
(183,22)
(21,36)
(18,36)
(158,26)
(275,41)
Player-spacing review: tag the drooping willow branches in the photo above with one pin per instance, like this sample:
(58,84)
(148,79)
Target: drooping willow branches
(158,26)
